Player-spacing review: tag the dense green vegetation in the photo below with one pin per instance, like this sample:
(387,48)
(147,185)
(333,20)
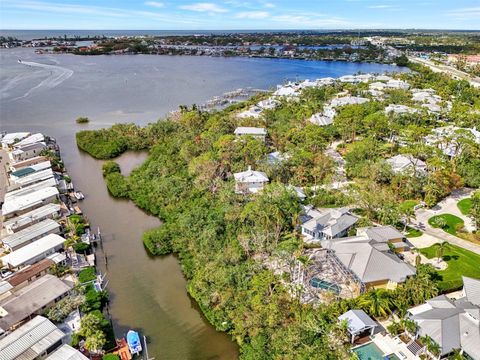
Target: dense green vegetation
(447,222)
(460,262)
(224,240)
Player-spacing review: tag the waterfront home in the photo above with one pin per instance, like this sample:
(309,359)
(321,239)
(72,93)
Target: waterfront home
(452,324)
(27,152)
(29,274)
(348,100)
(36,251)
(49,211)
(29,140)
(26,163)
(17,191)
(9,139)
(254,112)
(358,323)
(33,340)
(407,164)
(250,181)
(370,261)
(28,170)
(30,234)
(355,79)
(66,352)
(323,224)
(289,91)
(32,300)
(268,104)
(400,109)
(17,205)
(34,178)
(258,133)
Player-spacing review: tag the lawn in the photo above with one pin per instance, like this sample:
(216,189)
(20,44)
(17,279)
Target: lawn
(447,222)
(460,262)
(413,233)
(408,204)
(465,206)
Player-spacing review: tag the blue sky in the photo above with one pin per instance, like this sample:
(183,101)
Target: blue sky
(239,14)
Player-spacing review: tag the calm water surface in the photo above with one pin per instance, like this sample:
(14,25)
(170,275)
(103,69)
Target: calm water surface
(47,93)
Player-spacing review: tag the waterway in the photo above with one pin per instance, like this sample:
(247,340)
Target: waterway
(49,92)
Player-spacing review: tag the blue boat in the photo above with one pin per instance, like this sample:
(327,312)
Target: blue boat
(133,341)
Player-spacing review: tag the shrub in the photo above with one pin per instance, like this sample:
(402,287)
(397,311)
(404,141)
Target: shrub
(158,241)
(82,120)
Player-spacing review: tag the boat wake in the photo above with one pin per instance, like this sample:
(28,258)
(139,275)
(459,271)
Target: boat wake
(57,76)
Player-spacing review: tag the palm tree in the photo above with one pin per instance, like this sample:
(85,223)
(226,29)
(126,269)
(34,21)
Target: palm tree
(377,302)
(441,250)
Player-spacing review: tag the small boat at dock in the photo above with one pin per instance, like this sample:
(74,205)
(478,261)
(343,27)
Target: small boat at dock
(79,195)
(133,341)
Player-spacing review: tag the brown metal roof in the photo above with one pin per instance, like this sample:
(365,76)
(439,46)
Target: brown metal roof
(29,272)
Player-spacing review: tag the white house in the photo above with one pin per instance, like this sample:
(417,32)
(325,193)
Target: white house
(268,104)
(258,133)
(400,109)
(252,112)
(34,252)
(323,224)
(407,164)
(9,139)
(397,84)
(27,152)
(321,119)
(348,100)
(19,204)
(250,181)
(32,139)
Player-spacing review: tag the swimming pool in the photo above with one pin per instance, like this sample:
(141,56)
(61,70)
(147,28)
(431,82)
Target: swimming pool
(371,351)
(325,285)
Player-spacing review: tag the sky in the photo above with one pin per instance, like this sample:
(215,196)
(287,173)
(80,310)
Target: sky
(239,14)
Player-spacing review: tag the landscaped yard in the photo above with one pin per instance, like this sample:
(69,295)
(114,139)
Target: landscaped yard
(465,206)
(409,204)
(413,233)
(447,222)
(460,262)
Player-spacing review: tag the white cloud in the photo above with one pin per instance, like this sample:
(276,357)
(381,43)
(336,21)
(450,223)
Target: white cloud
(269,5)
(155,4)
(204,7)
(381,6)
(252,15)
(465,13)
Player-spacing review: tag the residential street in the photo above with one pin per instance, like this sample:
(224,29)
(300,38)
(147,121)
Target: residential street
(447,205)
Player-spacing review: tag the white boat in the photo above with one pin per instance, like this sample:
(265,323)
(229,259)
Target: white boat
(133,341)
(79,195)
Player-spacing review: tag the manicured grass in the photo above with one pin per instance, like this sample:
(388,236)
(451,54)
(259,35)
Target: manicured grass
(451,225)
(413,233)
(460,262)
(465,206)
(409,204)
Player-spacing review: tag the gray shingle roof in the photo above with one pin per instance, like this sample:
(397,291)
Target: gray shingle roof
(471,288)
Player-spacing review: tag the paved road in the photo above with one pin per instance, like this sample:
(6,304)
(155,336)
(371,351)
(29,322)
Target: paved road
(455,73)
